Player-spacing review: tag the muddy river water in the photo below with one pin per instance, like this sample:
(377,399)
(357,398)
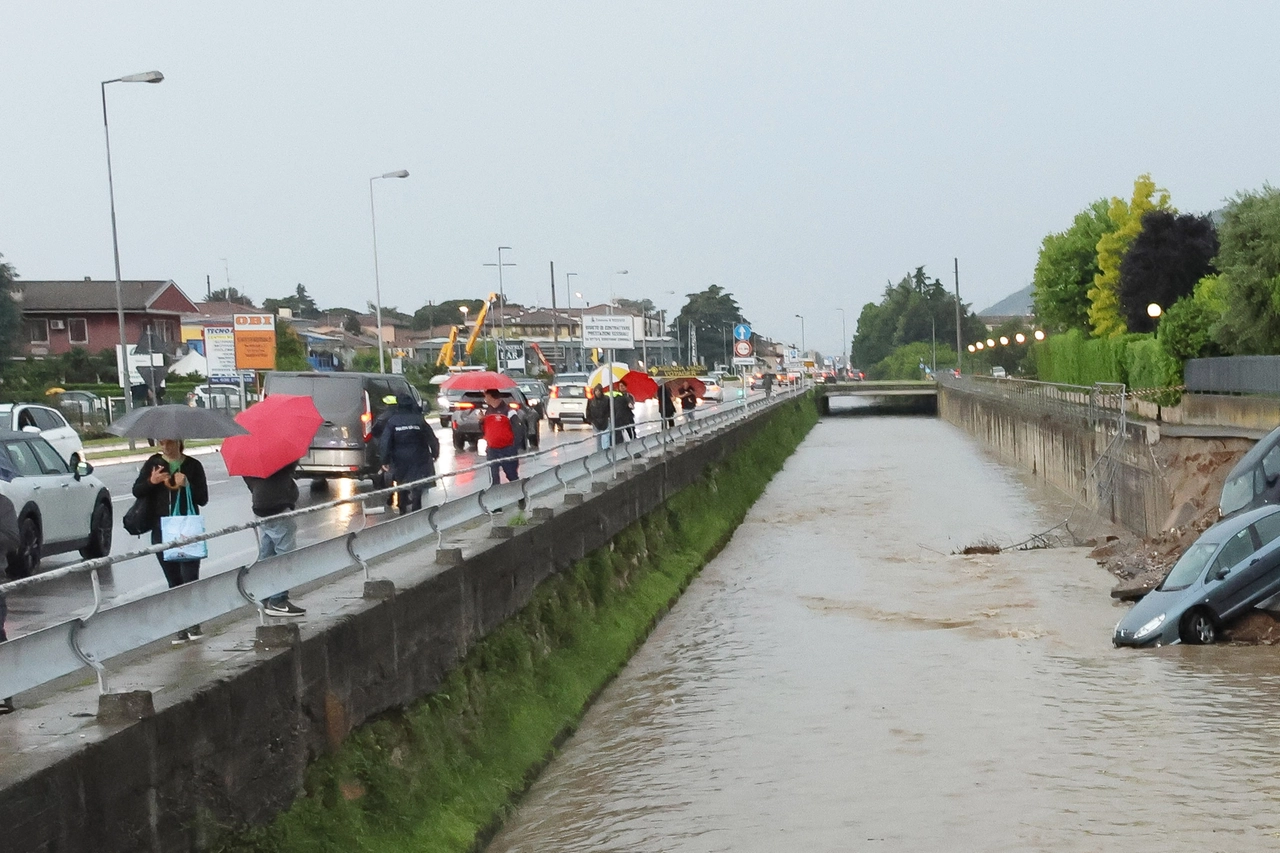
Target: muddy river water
(837,680)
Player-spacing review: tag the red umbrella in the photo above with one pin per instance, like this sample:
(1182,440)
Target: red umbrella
(477,380)
(640,385)
(679,383)
(280,431)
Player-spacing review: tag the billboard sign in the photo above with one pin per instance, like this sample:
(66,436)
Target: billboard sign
(255,341)
(608,331)
(220,353)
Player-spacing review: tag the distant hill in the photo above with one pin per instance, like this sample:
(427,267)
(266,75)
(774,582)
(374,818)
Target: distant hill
(1014,305)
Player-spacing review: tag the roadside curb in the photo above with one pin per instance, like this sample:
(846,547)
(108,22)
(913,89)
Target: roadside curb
(143,457)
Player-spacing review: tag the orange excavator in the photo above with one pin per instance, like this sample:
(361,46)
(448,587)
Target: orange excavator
(449,350)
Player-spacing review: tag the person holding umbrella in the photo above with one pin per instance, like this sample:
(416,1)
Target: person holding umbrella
(173,484)
(504,436)
(409,451)
(280,429)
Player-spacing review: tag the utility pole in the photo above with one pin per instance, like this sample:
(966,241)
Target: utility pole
(555,326)
(959,334)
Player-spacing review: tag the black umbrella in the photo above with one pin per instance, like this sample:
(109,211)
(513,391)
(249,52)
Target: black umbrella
(174,421)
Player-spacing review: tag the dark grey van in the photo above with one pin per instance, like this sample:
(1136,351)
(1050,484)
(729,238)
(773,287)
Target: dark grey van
(1255,481)
(349,403)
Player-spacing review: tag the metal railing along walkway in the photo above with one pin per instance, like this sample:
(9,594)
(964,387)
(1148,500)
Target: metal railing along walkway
(91,640)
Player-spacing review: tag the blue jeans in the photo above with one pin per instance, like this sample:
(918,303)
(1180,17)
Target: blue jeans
(277,536)
(502,461)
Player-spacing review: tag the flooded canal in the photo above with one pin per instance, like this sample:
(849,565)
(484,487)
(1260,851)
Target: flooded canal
(836,680)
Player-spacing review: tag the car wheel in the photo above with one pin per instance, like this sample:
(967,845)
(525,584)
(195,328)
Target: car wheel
(319,484)
(1198,628)
(459,440)
(99,532)
(23,561)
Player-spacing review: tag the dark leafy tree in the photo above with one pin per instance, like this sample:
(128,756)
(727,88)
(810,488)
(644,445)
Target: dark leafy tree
(291,353)
(1250,263)
(636,306)
(10,314)
(712,312)
(445,313)
(300,303)
(1163,263)
(916,309)
(230,294)
(351,325)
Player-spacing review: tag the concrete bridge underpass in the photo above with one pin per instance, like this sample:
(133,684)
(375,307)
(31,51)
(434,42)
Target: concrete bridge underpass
(879,398)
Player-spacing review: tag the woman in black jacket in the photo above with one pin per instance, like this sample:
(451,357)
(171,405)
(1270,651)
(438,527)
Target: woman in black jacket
(162,481)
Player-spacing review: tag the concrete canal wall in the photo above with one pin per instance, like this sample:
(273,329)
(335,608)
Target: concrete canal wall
(1118,479)
(236,749)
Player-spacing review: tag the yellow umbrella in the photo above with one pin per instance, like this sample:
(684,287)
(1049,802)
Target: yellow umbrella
(601,375)
(53,391)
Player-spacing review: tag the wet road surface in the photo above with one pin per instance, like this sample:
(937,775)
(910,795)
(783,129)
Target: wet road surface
(229,504)
(836,680)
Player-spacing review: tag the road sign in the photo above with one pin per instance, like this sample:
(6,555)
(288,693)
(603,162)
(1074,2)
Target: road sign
(742,348)
(608,331)
(255,341)
(750,361)
(742,332)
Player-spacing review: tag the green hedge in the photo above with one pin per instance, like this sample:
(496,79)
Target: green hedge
(1136,360)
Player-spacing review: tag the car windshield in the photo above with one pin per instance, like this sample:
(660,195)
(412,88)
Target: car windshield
(572,390)
(1189,566)
(1237,493)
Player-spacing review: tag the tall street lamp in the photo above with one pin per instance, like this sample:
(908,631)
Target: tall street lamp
(144,77)
(464,310)
(802,347)
(377,285)
(582,333)
(844,339)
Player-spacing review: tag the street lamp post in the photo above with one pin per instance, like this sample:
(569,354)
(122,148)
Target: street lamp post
(802,347)
(144,77)
(844,340)
(569,308)
(377,285)
(582,339)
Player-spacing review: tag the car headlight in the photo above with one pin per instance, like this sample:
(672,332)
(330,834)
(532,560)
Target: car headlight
(1149,627)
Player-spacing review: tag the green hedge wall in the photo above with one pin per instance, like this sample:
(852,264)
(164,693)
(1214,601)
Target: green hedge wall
(1136,360)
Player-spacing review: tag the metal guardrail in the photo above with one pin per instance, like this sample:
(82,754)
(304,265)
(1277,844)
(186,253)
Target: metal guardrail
(62,649)
(1104,401)
(1237,374)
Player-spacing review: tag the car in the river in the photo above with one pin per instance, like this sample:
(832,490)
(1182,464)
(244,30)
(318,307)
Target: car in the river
(1255,479)
(567,402)
(465,420)
(61,506)
(1233,567)
(46,422)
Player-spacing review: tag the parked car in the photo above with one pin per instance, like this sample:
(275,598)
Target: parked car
(61,507)
(349,403)
(567,402)
(535,390)
(215,397)
(714,390)
(85,402)
(465,420)
(1232,567)
(46,422)
(1255,480)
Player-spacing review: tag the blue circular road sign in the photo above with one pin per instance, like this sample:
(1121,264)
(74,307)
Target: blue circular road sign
(742,332)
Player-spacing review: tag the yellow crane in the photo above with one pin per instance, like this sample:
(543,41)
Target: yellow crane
(475,333)
(446,352)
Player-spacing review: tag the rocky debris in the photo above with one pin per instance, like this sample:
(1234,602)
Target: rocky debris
(1259,628)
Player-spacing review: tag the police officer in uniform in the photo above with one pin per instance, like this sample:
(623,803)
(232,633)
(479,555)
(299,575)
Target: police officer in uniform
(409,450)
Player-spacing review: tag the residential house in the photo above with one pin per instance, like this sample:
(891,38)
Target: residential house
(60,315)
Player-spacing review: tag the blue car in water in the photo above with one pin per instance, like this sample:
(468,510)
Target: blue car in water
(1233,567)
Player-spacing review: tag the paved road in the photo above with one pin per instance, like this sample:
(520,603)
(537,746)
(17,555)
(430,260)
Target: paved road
(58,600)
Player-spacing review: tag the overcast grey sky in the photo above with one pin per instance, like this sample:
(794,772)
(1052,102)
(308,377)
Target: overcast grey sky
(799,154)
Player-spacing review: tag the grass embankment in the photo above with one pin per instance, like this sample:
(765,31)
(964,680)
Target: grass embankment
(440,775)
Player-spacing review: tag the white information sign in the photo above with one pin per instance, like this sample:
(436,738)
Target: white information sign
(220,353)
(137,363)
(608,331)
(744,362)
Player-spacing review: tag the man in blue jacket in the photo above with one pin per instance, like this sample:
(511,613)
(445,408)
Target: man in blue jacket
(409,451)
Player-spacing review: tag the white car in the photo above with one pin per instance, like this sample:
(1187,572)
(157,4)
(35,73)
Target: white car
(567,402)
(714,390)
(215,397)
(60,507)
(46,422)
